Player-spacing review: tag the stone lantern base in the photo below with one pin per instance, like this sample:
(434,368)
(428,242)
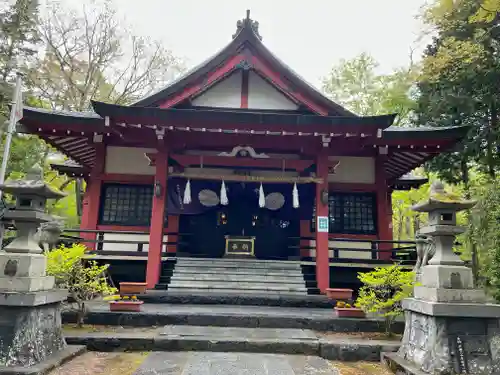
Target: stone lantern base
(30,327)
(448,338)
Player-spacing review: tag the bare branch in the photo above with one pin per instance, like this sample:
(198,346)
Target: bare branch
(89,55)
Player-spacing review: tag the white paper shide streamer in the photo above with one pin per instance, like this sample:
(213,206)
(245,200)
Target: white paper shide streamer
(187,193)
(262,197)
(295,196)
(223,194)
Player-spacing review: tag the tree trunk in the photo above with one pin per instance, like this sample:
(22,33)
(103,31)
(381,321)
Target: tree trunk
(80,314)
(472,245)
(491,139)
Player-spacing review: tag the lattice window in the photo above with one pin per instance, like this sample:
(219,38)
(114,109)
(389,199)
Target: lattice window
(128,205)
(350,213)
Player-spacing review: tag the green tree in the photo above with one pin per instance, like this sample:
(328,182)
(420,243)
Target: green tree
(458,87)
(88,55)
(356,84)
(484,232)
(18,42)
(84,279)
(383,291)
(405,221)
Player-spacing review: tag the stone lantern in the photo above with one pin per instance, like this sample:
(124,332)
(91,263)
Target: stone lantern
(449,326)
(30,307)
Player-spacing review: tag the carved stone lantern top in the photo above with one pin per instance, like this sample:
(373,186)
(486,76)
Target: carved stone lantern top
(439,199)
(32,185)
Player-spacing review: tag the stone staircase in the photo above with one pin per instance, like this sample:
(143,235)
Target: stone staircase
(235,276)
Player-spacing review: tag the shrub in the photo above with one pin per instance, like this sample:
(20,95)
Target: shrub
(84,279)
(383,290)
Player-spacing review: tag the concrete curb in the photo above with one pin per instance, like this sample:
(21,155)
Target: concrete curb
(142,319)
(341,349)
(49,364)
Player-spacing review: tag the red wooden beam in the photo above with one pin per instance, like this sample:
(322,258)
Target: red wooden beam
(245,74)
(224,161)
(212,78)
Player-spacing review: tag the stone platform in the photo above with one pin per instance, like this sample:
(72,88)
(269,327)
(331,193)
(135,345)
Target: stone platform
(318,319)
(193,363)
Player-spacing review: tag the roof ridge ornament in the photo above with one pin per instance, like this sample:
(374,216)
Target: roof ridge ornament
(247,23)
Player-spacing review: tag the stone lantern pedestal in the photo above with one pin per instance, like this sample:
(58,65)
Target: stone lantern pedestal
(449,326)
(30,307)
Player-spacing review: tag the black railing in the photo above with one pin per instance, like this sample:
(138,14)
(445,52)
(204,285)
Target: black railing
(299,248)
(399,251)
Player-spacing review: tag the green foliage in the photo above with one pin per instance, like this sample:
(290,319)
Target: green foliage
(383,290)
(18,40)
(84,279)
(487,12)
(356,84)
(484,231)
(458,87)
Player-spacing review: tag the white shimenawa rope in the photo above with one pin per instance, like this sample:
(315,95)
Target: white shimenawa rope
(295,196)
(223,194)
(187,193)
(262,197)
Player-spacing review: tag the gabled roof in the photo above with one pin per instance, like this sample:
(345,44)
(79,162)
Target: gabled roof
(247,38)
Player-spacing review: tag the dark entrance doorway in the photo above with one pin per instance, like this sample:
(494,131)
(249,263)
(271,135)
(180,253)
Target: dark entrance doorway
(242,217)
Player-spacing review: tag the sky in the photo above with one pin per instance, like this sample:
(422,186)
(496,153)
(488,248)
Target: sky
(310,36)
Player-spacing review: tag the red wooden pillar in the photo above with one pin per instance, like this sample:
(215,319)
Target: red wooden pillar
(322,258)
(92,196)
(305,231)
(173,227)
(157,219)
(383,210)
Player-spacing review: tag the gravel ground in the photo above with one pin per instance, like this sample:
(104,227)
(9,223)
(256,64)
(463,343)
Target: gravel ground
(96,363)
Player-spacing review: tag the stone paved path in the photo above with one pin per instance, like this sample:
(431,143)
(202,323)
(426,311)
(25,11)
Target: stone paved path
(237,333)
(204,363)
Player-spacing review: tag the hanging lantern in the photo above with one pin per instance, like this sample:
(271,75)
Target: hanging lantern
(223,194)
(295,196)
(262,197)
(187,193)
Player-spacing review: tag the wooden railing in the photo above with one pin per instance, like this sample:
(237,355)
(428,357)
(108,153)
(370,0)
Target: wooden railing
(372,251)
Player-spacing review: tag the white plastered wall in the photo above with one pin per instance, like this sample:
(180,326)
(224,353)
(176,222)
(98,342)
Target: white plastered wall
(128,160)
(262,95)
(345,253)
(225,94)
(128,237)
(353,170)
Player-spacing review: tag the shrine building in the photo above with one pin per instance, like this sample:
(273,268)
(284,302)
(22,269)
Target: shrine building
(238,157)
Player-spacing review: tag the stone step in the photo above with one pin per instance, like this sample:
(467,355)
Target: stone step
(239,260)
(234,292)
(235,271)
(177,341)
(238,264)
(236,299)
(239,278)
(247,267)
(237,286)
